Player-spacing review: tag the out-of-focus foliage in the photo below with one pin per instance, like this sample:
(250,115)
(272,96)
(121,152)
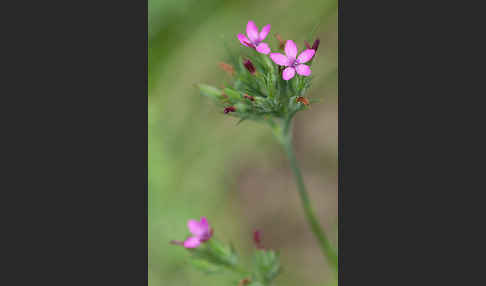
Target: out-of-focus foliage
(198,157)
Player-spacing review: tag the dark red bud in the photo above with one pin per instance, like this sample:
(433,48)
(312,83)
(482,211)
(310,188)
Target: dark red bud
(316,44)
(257,239)
(229,109)
(249,66)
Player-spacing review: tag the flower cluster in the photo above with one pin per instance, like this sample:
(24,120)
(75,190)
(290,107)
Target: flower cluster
(289,60)
(213,255)
(265,85)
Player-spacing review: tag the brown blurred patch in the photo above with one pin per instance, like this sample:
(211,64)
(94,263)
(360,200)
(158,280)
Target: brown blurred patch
(227,68)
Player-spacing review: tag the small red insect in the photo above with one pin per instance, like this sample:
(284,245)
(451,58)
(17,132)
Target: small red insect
(302,100)
(251,98)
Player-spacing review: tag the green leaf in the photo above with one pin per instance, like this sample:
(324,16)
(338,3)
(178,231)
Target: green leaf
(210,91)
(205,266)
(267,265)
(233,95)
(216,253)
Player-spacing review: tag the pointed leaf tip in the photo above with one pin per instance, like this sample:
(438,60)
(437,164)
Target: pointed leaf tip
(210,91)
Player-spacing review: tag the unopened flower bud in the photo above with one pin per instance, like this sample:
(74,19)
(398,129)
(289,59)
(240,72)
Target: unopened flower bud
(249,66)
(316,44)
(257,239)
(229,109)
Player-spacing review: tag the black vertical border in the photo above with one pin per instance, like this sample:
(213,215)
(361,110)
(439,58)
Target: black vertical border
(382,64)
(79,142)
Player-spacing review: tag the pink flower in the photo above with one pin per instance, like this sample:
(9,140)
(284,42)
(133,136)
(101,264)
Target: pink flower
(255,38)
(201,232)
(292,62)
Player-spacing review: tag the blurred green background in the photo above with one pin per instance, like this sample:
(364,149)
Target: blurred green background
(202,164)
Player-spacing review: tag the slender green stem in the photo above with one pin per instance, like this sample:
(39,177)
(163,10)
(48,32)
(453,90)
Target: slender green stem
(324,243)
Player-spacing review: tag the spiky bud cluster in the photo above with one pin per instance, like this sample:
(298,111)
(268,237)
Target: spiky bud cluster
(265,86)
(258,91)
(211,255)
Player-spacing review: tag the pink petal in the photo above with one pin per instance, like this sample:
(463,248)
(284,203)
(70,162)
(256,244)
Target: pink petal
(243,39)
(288,73)
(279,59)
(252,31)
(306,56)
(192,242)
(196,228)
(263,48)
(204,222)
(303,70)
(291,49)
(264,32)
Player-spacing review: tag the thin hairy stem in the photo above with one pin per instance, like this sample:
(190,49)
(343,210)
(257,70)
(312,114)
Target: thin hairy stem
(324,243)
